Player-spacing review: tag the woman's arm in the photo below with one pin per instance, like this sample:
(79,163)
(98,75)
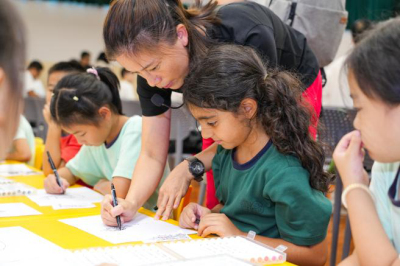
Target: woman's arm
(21,153)
(121,185)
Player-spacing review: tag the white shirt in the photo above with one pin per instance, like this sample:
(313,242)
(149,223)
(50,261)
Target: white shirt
(127,91)
(33,85)
(336,92)
(383,177)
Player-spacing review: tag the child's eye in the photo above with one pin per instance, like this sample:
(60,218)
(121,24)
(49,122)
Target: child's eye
(212,123)
(83,134)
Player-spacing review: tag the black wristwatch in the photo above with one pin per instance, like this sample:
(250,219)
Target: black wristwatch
(196,168)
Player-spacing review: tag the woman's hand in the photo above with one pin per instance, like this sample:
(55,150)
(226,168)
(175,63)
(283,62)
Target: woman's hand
(191,213)
(173,190)
(125,209)
(349,157)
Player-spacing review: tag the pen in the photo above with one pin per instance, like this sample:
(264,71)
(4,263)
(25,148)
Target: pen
(53,167)
(115,203)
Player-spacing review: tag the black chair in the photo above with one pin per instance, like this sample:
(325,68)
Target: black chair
(33,112)
(335,123)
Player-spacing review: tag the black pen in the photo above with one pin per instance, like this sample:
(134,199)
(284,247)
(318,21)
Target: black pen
(53,167)
(115,203)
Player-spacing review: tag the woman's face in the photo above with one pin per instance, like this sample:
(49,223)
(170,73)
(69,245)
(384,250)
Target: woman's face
(166,68)
(9,115)
(378,123)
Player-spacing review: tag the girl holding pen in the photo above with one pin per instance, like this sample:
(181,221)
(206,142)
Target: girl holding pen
(88,106)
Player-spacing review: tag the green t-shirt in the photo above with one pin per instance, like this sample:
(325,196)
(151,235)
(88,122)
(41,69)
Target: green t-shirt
(93,163)
(272,196)
(25,132)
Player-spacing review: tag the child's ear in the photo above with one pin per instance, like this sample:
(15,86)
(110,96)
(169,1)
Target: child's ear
(2,77)
(105,113)
(249,107)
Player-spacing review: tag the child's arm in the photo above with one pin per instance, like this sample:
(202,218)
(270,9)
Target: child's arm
(67,179)
(372,243)
(121,185)
(52,144)
(21,153)
(301,255)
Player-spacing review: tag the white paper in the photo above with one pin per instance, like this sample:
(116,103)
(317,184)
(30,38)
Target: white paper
(4,180)
(141,228)
(16,209)
(19,169)
(19,246)
(81,197)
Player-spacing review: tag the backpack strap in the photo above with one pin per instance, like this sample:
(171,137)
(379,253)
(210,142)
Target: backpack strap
(292,12)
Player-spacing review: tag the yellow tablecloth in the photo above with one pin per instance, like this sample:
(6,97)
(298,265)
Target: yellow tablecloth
(48,226)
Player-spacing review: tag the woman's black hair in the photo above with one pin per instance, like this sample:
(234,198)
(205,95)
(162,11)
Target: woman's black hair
(375,62)
(132,26)
(78,97)
(229,74)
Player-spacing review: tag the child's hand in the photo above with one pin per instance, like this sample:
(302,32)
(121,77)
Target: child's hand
(51,186)
(217,223)
(190,213)
(349,157)
(125,209)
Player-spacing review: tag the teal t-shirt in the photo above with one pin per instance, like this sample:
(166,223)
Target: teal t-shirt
(272,196)
(93,163)
(25,132)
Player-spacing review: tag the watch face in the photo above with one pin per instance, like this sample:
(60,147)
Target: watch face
(197,168)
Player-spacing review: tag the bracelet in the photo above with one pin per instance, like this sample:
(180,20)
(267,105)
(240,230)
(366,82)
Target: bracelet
(354,186)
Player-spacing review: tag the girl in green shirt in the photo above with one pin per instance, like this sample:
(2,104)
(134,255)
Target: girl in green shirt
(268,170)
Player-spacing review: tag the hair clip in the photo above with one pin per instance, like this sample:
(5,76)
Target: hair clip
(265,77)
(93,71)
(75,98)
(52,94)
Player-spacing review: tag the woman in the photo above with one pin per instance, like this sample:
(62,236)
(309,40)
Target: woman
(161,41)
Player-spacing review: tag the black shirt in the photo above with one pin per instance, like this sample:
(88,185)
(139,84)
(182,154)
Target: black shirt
(254,25)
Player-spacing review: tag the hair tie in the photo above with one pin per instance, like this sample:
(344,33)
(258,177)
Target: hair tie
(93,71)
(75,98)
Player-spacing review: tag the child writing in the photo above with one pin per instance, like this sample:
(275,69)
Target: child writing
(268,170)
(88,106)
(61,147)
(23,145)
(12,61)
(374,79)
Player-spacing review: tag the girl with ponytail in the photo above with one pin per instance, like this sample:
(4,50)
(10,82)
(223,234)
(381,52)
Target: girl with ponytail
(268,169)
(88,106)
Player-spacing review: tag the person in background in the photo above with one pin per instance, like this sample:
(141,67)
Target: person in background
(12,63)
(102,60)
(85,59)
(62,147)
(373,70)
(23,145)
(127,91)
(336,91)
(33,85)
